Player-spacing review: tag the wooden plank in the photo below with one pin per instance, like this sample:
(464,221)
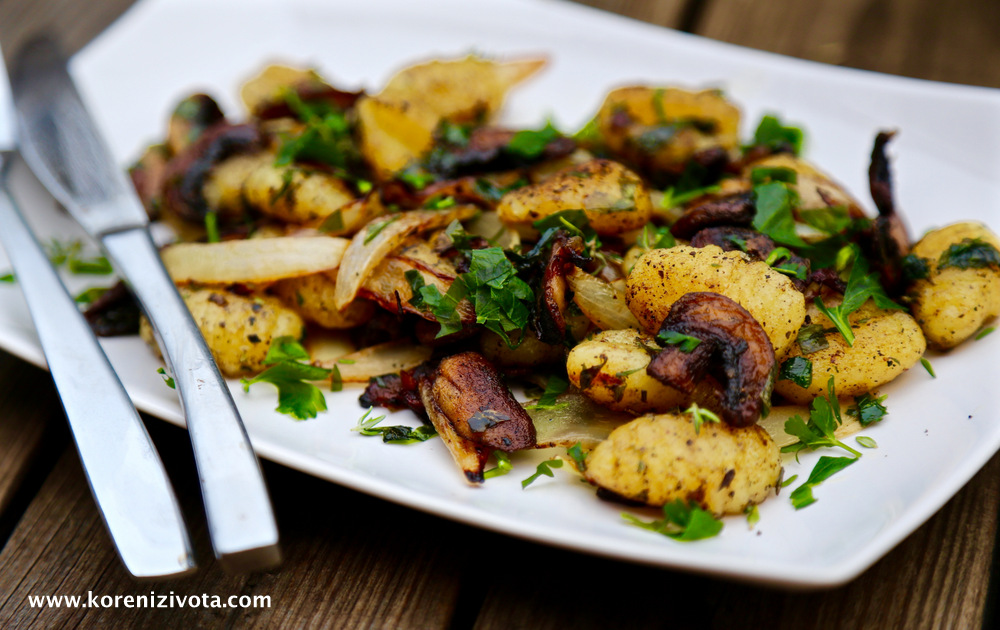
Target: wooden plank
(946,41)
(668,13)
(350,560)
(29,409)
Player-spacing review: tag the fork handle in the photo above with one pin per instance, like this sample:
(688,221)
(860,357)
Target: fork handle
(240,518)
(126,476)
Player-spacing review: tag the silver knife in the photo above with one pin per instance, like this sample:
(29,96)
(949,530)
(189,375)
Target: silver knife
(126,476)
(61,143)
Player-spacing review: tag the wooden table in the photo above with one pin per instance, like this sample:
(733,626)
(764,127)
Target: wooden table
(356,561)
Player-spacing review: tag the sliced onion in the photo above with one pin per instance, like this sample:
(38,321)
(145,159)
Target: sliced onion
(253,261)
(603,303)
(574,418)
(384,358)
(774,423)
(380,237)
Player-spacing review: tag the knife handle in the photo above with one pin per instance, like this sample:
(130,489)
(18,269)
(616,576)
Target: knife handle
(126,476)
(241,521)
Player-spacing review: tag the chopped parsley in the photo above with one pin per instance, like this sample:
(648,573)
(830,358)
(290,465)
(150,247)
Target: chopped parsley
(530,144)
(653,237)
(927,366)
(868,409)
(765,174)
(502,468)
(985,332)
(327,137)
(971,253)
(89,296)
(549,399)
(673,197)
(374,229)
(798,370)
(753,515)
(686,343)
(700,416)
(416,177)
(681,521)
(812,338)
(69,254)
(8,277)
(502,301)
(212,227)
(297,395)
(915,268)
(789,481)
(772,133)
(333,223)
(831,220)
(775,202)
(866,441)
(825,468)
(861,286)
(824,419)
(544,468)
(789,268)
(395,434)
(167,379)
(576,453)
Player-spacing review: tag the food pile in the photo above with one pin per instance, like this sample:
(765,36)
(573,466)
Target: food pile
(662,286)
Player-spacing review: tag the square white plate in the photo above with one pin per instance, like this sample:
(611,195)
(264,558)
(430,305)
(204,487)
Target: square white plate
(947,155)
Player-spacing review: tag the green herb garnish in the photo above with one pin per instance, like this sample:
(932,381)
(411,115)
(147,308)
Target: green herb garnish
(531,144)
(798,370)
(971,253)
(753,515)
(576,453)
(544,468)
(682,521)
(554,387)
(861,286)
(167,379)
(89,296)
(984,332)
(866,441)
(395,434)
(771,132)
(502,468)
(824,419)
(212,227)
(700,416)
(927,366)
(297,395)
(825,468)
(915,268)
(812,338)
(686,343)
(868,409)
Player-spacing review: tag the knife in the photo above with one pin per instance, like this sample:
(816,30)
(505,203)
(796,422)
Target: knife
(61,143)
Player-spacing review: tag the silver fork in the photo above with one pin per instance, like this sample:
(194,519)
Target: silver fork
(125,473)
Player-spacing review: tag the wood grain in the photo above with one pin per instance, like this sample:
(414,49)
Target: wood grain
(351,561)
(945,41)
(29,411)
(670,13)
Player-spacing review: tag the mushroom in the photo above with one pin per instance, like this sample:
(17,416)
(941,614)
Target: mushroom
(735,209)
(549,319)
(889,238)
(186,173)
(730,370)
(191,118)
(487,151)
(479,405)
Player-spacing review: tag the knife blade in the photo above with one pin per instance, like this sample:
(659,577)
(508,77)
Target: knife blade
(62,145)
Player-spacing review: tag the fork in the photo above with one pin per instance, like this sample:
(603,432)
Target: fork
(125,474)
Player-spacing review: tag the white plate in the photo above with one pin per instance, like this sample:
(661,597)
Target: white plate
(939,433)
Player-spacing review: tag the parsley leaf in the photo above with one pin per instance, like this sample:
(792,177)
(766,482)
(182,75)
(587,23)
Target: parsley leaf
(297,396)
(674,196)
(212,227)
(915,268)
(798,370)
(89,296)
(653,237)
(544,468)
(167,379)
(812,338)
(686,343)
(701,416)
(866,441)
(971,253)
(530,144)
(576,453)
(824,419)
(8,277)
(927,366)
(555,386)
(861,286)
(753,515)
(868,409)
(502,468)
(394,434)
(825,468)
(771,132)
(682,521)
(985,332)
(775,202)
(327,137)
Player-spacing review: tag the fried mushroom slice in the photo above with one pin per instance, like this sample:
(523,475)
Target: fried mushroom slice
(732,210)
(480,407)
(662,276)
(190,119)
(889,239)
(656,459)
(733,350)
